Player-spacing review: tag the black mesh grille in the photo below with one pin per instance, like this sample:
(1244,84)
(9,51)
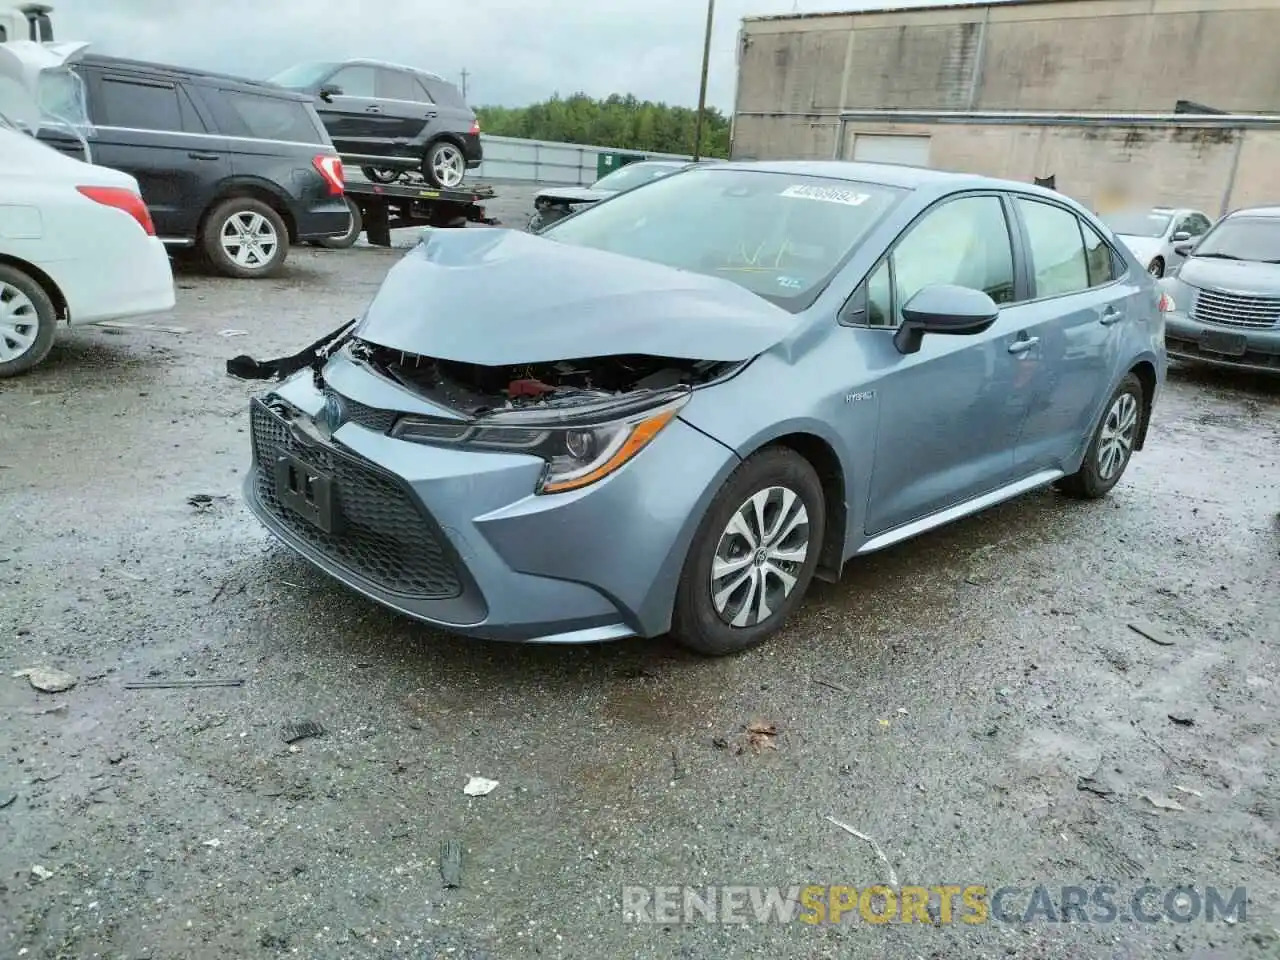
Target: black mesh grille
(382,535)
(371,417)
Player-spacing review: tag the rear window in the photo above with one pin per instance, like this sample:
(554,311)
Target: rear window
(272,118)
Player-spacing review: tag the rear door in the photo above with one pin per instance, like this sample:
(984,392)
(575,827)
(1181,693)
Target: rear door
(407,110)
(150,127)
(1083,303)
(355,118)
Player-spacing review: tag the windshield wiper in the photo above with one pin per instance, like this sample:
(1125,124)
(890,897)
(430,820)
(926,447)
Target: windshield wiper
(1218,256)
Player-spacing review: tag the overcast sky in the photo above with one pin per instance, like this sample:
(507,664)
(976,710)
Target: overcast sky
(516,51)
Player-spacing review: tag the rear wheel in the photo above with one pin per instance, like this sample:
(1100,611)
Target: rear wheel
(381,174)
(349,238)
(444,165)
(1112,446)
(245,238)
(27,322)
(753,555)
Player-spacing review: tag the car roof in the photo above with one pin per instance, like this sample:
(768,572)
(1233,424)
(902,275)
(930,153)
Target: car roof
(1267,212)
(888,174)
(168,70)
(367,62)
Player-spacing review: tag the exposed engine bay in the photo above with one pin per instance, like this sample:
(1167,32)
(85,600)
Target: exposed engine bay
(475,390)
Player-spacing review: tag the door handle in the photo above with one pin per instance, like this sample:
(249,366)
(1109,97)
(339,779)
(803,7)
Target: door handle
(373,109)
(197,155)
(1023,344)
(430,115)
(1111,315)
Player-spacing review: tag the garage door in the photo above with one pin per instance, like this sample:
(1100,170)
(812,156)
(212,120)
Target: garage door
(878,148)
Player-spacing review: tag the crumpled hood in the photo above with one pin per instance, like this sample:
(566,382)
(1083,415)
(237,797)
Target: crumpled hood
(503,297)
(1232,276)
(573,195)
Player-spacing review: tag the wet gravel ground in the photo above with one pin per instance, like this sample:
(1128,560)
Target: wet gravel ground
(949,699)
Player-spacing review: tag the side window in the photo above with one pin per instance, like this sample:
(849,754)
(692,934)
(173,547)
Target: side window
(963,242)
(1057,249)
(880,297)
(398,85)
(139,105)
(1198,224)
(355,81)
(273,118)
(1098,257)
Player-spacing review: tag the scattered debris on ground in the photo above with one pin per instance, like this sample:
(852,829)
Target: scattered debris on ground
(479,787)
(47,679)
(893,875)
(451,863)
(301,730)
(1153,633)
(181,684)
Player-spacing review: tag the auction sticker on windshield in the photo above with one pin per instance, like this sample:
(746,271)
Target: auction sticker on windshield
(830,194)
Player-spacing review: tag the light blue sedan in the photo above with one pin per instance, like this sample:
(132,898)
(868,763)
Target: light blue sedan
(673,410)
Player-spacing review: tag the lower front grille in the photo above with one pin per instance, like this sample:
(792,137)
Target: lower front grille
(1235,310)
(381,535)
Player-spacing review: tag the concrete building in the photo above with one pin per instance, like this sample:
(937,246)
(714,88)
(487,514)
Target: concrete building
(1086,91)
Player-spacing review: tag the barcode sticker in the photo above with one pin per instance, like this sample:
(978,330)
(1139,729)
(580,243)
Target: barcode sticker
(804,191)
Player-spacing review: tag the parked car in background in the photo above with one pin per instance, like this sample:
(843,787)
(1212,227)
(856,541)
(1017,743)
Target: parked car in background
(238,169)
(1153,234)
(389,118)
(77,245)
(1226,295)
(554,203)
(672,410)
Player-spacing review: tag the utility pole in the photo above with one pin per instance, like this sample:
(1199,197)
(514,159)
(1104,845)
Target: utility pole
(465,74)
(702,91)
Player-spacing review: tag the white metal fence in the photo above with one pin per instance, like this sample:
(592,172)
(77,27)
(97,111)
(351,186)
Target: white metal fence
(544,161)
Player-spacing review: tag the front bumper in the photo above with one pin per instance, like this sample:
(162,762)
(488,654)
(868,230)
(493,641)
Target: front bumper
(1239,348)
(457,538)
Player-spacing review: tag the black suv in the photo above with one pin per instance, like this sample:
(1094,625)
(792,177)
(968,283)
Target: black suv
(237,168)
(389,118)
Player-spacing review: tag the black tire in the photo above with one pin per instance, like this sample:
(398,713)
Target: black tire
(1092,480)
(349,238)
(429,163)
(42,314)
(695,622)
(221,219)
(1156,267)
(381,174)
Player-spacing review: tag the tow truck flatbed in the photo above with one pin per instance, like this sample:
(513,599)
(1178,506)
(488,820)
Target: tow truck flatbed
(379,208)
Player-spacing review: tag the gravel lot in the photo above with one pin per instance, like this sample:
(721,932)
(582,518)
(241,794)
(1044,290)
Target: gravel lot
(945,699)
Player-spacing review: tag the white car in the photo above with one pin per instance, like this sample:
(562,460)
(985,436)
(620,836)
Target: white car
(76,245)
(1153,233)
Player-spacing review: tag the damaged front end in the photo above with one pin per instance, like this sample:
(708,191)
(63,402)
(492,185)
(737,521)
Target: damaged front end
(585,418)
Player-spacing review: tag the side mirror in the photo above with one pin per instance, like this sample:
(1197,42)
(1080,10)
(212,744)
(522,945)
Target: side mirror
(944,309)
(1181,235)
(329,91)
(1184,249)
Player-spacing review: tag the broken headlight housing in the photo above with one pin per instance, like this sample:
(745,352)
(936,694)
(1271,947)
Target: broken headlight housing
(580,445)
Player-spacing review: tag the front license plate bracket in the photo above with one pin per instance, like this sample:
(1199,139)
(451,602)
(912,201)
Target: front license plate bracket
(1228,344)
(306,491)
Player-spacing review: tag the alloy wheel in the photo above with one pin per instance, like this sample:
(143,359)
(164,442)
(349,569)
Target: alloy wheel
(759,556)
(1118,431)
(249,239)
(19,323)
(448,165)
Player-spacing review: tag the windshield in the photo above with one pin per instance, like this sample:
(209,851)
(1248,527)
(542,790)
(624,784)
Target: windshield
(632,175)
(1243,238)
(779,235)
(303,75)
(1138,223)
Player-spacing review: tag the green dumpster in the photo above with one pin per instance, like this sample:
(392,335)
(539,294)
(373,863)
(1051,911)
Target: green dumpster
(608,162)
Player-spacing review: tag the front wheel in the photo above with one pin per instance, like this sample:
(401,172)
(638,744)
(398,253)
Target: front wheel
(444,165)
(1112,445)
(1156,267)
(753,555)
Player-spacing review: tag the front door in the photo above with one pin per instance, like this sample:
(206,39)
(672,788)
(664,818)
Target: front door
(152,130)
(948,414)
(1079,309)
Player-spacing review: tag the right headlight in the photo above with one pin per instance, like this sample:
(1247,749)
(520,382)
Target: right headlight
(580,445)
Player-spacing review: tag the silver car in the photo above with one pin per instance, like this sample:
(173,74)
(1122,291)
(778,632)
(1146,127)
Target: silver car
(1154,235)
(673,410)
(1226,296)
(555,203)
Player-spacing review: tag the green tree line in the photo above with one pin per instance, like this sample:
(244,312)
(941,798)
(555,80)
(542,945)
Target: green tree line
(617,121)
